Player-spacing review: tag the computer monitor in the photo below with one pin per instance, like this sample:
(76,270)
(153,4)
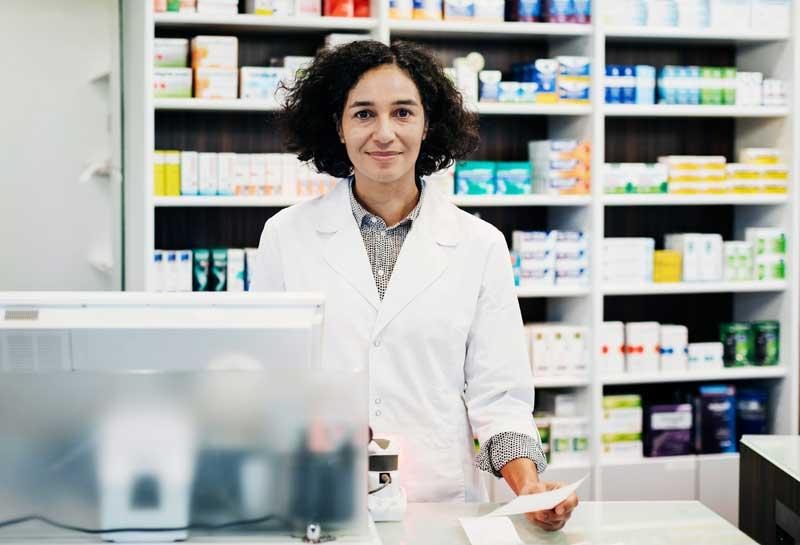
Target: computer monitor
(160,417)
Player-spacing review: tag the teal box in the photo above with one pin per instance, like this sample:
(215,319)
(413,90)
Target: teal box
(475,178)
(513,178)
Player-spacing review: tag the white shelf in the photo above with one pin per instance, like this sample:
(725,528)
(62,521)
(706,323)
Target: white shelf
(215,105)
(694,287)
(673,34)
(507,30)
(677,110)
(553,291)
(500,108)
(725,456)
(730,373)
(695,200)
(263,23)
(458,200)
(560,382)
(521,200)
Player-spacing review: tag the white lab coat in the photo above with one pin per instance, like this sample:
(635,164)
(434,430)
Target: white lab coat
(445,349)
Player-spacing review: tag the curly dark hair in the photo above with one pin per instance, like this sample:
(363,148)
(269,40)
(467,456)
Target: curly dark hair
(316,101)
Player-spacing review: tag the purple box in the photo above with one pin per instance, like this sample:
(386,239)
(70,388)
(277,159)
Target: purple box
(668,430)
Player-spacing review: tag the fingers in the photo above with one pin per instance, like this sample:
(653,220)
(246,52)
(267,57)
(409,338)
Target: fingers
(549,525)
(566,506)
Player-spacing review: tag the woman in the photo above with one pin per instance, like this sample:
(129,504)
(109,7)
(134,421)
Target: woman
(418,292)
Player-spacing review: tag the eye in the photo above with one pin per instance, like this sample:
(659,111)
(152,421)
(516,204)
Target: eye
(363,114)
(403,112)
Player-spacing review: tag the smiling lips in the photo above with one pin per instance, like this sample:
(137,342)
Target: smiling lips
(383,155)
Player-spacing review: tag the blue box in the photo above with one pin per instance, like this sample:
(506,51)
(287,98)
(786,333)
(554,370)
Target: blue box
(613,82)
(628,87)
(715,420)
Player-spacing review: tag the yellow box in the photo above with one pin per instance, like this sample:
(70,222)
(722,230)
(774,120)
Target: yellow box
(159,187)
(172,173)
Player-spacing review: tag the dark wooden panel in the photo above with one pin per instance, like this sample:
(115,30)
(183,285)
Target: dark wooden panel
(659,55)
(190,228)
(701,313)
(237,132)
(657,221)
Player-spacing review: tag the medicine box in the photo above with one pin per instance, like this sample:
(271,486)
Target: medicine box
(612,348)
(220,83)
(172,82)
(642,347)
(674,348)
(215,52)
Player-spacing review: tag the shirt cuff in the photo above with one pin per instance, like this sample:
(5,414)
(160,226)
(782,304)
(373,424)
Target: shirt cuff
(504,447)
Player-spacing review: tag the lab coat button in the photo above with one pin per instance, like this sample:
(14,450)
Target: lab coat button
(377,343)
(377,413)
(377,401)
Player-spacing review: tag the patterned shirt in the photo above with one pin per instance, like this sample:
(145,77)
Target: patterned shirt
(383,244)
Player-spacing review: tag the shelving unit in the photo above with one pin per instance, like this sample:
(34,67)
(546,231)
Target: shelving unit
(618,133)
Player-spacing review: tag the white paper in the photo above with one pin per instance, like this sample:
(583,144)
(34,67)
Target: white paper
(490,531)
(536,502)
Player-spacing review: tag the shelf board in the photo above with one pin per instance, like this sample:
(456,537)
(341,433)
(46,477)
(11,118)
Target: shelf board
(677,110)
(215,105)
(695,200)
(726,456)
(675,34)
(655,288)
(478,30)
(458,200)
(263,23)
(521,200)
(560,382)
(731,373)
(502,108)
(553,291)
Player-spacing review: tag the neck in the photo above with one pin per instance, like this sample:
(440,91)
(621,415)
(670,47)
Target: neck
(392,202)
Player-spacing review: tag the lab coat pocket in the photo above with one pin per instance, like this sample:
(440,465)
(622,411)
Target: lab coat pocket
(430,467)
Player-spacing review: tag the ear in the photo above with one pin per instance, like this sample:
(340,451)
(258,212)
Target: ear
(338,123)
(425,131)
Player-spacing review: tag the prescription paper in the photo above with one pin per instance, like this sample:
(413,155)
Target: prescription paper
(496,528)
(536,502)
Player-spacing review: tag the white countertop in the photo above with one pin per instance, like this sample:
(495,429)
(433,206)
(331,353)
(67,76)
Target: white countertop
(782,451)
(592,523)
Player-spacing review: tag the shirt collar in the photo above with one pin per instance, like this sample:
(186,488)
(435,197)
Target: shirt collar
(360,213)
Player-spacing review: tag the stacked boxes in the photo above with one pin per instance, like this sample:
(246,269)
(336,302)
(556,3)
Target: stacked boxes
(701,255)
(565,80)
(628,84)
(705,357)
(705,85)
(673,348)
(628,260)
(489,178)
(569,439)
(642,354)
(546,258)
(689,174)
(621,427)
(551,11)
(258,174)
(574,80)
(558,350)
(769,252)
(215,63)
(644,347)
(203,270)
(560,167)
(738,258)
(639,178)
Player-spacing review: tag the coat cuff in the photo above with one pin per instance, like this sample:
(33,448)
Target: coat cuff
(504,447)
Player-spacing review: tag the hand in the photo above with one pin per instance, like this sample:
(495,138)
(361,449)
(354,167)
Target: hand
(550,519)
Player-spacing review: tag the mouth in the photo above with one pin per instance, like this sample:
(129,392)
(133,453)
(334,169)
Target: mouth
(383,155)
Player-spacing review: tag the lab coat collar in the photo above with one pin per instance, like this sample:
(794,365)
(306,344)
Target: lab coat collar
(422,259)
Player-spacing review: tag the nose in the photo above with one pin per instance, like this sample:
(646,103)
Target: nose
(384,131)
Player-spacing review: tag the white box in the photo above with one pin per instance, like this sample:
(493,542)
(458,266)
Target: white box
(218,7)
(257,83)
(172,82)
(207,173)
(227,173)
(259,7)
(236,270)
(289,168)
(250,256)
(222,83)
(674,348)
(171,271)
(641,347)
(185,270)
(189,173)
(766,241)
(569,439)
(770,15)
(577,351)
(559,404)
(730,15)
(623,450)
(535,242)
(706,356)
(258,174)
(711,258)
(689,245)
(274,175)
(215,52)
(241,175)
(159,274)
(612,348)
(539,343)
(622,421)
(170,52)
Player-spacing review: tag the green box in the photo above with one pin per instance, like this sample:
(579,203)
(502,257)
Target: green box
(737,342)
(201,269)
(710,85)
(766,342)
(729,86)
(513,178)
(475,178)
(219,270)
(622,401)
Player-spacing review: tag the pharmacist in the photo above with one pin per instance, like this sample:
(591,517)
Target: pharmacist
(418,291)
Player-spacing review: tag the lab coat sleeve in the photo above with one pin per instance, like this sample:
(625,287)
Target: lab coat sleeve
(499,384)
(268,274)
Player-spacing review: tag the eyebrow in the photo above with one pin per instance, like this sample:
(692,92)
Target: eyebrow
(403,102)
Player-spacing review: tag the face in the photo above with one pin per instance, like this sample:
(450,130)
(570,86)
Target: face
(383,125)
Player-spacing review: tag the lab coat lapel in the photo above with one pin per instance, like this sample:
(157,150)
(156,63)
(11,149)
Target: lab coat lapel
(423,258)
(343,246)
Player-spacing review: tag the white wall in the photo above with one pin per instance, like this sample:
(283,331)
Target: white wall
(56,117)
